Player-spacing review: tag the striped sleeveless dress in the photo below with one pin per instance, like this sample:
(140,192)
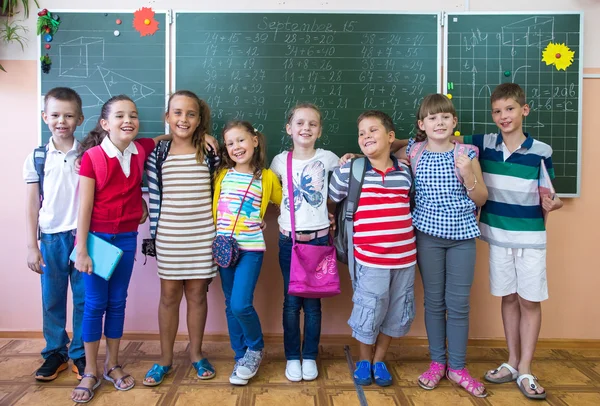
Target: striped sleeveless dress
(186,228)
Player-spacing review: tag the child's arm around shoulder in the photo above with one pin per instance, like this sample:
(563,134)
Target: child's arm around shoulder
(338,186)
(276,192)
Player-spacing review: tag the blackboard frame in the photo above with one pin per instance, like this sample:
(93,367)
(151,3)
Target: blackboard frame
(164,25)
(447,17)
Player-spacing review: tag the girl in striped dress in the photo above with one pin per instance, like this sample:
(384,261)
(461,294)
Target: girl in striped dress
(179,179)
(243,189)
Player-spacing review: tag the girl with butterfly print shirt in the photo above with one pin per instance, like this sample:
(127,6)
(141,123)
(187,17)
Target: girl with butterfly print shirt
(310,169)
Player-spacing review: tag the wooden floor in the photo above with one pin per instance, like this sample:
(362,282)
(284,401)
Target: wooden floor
(571,377)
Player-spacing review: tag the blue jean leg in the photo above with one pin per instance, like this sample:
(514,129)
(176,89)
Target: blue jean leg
(55,249)
(239,282)
(292,306)
(108,298)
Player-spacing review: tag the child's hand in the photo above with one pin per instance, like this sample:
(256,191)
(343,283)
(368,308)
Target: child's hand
(212,141)
(263,225)
(83,263)
(144,212)
(347,157)
(463,163)
(331,221)
(35,262)
(77,165)
(551,203)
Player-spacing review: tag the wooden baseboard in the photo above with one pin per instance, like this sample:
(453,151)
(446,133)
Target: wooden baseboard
(333,339)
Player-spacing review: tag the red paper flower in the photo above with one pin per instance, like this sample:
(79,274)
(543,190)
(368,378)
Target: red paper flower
(144,22)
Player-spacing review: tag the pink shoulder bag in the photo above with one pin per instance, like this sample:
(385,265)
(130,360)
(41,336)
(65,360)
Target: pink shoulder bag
(313,269)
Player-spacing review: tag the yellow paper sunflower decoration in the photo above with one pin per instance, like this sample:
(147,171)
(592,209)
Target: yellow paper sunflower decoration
(558,55)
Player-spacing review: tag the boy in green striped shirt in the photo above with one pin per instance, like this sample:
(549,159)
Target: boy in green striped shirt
(512,222)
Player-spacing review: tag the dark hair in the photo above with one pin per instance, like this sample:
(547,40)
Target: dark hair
(432,104)
(260,152)
(385,119)
(508,91)
(304,105)
(64,94)
(96,136)
(203,127)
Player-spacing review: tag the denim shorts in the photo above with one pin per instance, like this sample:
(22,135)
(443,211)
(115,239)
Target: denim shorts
(384,301)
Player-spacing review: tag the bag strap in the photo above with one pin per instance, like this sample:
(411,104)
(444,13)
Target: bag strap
(416,152)
(241,204)
(290,187)
(161,155)
(39,163)
(99,165)
(357,177)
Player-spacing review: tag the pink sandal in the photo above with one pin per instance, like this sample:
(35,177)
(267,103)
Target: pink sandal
(472,383)
(434,375)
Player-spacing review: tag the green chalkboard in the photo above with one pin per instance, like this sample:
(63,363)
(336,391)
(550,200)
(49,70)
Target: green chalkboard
(485,50)
(88,57)
(255,66)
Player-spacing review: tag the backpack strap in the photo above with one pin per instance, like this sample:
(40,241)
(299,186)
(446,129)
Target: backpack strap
(212,160)
(161,155)
(462,149)
(100,166)
(357,177)
(416,152)
(39,163)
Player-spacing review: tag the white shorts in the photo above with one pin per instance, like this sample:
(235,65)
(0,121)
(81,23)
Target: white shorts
(518,270)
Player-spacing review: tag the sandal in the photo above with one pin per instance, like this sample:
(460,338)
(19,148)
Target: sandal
(157,373)
(381,374)
(472,383)
(434,375)
(88,390)
(203,366)
(507,378)
(117,383)
(532,385)
(362,373)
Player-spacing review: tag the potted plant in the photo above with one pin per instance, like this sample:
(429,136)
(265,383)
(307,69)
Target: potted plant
(11,30)
(9,7)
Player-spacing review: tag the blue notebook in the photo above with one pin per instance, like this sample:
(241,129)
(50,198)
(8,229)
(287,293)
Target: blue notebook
(105,256)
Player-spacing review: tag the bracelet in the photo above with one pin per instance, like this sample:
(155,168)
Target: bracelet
(470,189)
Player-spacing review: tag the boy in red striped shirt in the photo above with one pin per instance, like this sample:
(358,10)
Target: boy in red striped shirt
(384,248)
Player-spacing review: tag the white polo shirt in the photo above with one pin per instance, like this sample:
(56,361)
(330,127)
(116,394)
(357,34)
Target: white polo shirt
(61,189)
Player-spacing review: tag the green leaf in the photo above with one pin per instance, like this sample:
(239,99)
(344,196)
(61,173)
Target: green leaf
(2,68)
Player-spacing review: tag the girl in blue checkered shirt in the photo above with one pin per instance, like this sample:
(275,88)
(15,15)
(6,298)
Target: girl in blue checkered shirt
(448,189)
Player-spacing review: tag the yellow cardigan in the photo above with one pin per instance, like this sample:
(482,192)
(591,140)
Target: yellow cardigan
(271,191)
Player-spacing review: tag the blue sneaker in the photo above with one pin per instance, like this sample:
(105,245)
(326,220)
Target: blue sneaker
(362,373)
(381,374)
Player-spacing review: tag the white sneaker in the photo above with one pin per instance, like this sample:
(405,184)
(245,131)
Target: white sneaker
(234,379)
(293,370)
(248,366)
(309,370)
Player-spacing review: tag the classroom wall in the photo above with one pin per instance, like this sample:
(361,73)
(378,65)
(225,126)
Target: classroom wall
(570,313)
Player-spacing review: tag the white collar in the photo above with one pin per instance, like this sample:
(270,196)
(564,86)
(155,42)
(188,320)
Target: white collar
(112,151)
(52,147)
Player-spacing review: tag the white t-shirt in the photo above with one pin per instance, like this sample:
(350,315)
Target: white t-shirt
(311,183)
(61,187)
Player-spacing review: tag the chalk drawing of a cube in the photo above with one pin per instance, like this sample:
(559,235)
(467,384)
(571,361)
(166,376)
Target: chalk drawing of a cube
(80,57)
(534,31)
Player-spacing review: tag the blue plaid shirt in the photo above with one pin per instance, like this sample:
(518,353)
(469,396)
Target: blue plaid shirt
(443,208)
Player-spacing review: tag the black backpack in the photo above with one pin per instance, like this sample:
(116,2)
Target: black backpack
(344,215)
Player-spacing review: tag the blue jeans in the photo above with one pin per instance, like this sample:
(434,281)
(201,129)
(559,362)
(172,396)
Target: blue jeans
(238,282)
(108,298)
(56,249)
(292,306)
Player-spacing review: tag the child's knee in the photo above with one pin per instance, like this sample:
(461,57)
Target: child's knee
(528,304)
(510,299)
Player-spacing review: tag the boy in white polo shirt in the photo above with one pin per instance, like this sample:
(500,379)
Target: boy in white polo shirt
(52,202)
(512,223)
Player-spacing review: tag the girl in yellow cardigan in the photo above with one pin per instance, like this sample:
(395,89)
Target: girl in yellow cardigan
(243,189)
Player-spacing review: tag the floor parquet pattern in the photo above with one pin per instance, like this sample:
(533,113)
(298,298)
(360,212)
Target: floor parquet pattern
(571,377)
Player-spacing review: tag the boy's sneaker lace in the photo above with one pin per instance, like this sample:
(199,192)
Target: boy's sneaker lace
(248,366)
(234,379)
